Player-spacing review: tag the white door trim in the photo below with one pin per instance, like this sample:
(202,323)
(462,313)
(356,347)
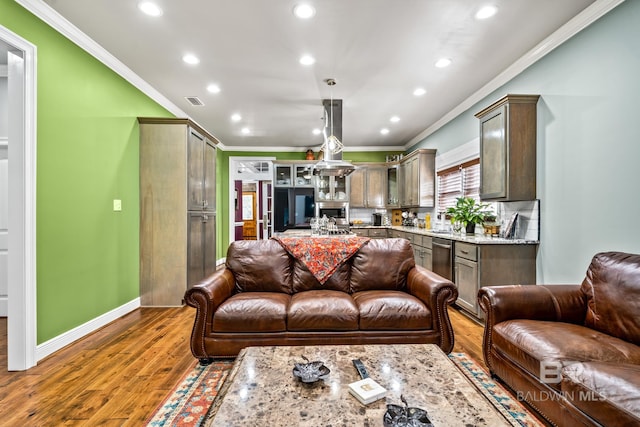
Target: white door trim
(233,160)
(21,327)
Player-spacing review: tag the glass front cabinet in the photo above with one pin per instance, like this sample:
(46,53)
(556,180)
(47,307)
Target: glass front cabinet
(332,188)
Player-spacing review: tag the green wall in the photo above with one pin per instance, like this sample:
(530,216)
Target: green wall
(588,143)
(87,155)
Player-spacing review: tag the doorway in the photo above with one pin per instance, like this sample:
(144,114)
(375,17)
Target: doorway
(249,211)
(17,60)
(250,207)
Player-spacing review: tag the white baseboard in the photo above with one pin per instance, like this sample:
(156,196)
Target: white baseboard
(221,261)
(4,306)
(45,349)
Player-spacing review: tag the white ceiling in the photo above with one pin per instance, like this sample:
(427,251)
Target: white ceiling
(379,51)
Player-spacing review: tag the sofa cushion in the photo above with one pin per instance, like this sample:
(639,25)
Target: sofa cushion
(252,312)
(608,392)
(531,342)
(612,287)
(382,264)
(260,266)
(385,310)
(322,310)
(304,280)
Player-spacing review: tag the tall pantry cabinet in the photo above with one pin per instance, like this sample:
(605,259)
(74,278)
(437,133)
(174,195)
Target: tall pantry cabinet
(177,208)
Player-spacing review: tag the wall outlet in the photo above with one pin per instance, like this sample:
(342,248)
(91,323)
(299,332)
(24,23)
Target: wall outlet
(117,205)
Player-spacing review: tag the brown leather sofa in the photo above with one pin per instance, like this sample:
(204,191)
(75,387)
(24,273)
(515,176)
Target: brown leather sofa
(264,296)
(572,352)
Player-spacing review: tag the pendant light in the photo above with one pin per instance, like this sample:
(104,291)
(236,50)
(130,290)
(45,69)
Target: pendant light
(332,144)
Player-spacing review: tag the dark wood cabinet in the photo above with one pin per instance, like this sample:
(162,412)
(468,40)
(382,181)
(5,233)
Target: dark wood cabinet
(418,178)
(508,149)
(368,186)
(177,208)
(476,266)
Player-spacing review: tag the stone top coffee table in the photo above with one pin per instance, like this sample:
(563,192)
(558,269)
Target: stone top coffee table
(262,391)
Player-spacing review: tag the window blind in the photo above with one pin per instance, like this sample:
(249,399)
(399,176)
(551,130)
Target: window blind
(461,180)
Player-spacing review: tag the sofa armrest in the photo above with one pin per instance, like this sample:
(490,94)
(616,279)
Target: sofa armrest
(206,296)
(437,293)
(559,303)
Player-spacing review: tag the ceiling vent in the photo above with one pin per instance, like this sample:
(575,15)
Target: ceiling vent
(194,100)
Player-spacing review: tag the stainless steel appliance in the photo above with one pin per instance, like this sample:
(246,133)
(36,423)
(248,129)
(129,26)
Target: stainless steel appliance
(442,257)
(337,210)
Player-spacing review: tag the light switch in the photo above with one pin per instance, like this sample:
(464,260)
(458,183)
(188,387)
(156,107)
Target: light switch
(117,205)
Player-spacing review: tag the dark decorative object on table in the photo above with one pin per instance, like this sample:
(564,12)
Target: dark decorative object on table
(403,416)
(311,371)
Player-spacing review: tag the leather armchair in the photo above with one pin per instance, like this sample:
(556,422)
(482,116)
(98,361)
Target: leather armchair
(571,352)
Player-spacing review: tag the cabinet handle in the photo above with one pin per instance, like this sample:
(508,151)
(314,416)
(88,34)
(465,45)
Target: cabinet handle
(205,203)
(205,218)
(464,252)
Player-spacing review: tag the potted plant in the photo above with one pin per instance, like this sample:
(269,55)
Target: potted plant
(467,212)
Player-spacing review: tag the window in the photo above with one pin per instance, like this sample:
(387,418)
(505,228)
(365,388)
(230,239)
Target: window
(462,180)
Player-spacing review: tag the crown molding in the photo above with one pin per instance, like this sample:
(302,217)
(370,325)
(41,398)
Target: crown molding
(578,23)
(56,21)
(303,149)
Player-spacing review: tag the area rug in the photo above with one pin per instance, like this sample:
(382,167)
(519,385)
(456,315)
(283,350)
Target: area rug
(512,410)
(190,402)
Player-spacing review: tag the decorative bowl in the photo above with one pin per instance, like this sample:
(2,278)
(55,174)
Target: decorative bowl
(403,416)
(311,371)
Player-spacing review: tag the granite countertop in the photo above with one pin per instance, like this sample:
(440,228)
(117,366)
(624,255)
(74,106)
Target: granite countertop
(477,239)
(262,391)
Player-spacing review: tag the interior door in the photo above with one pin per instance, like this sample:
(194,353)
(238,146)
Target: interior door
(249,216)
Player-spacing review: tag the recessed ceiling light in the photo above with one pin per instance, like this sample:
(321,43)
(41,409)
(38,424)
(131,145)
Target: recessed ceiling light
(419,91)
(316,131)
(245,131)
(443,62)
(304,11)
(394,119)
(384,131)
(236,117)
(150,8)
(486,12)
(191,59)
(213,88)
(307,60)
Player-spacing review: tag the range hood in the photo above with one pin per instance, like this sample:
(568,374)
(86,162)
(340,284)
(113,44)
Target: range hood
(332,163)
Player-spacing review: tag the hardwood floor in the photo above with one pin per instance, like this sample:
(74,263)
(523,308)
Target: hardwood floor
(118,375)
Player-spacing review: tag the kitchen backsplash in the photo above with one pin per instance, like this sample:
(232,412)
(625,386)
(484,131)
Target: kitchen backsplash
(528,223)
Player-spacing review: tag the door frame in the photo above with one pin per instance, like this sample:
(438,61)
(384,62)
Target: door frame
(233,176)
(21,324)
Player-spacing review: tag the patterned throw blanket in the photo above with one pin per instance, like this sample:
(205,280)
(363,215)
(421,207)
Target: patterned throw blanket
(322,255)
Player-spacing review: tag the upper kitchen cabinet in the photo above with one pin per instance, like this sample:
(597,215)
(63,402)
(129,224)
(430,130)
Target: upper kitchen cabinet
(418,178)
(508,149)
(368,186)
(393,188)
(293,174)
